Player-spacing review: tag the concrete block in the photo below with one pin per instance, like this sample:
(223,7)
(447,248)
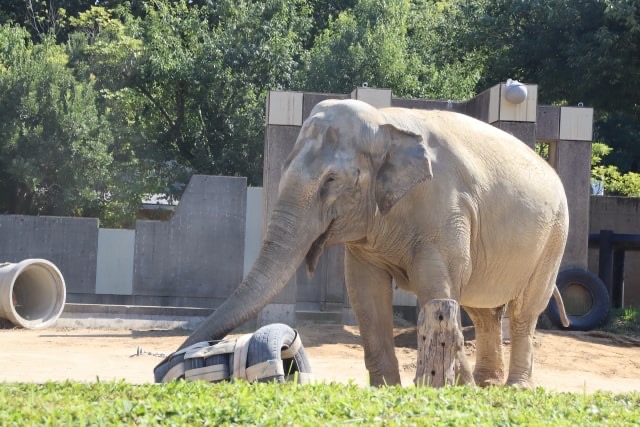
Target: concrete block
(311,99)
(576,123)
(200,251)
(523,112)
(379,98)
(279,141)
(403,298)
(524,131)
(548,123)
(277,313)
(114,273)
(284,108)
(70,243)
(573,167)
(349,317)
(622,215)
(481,108)
(326,287)
(493,114)
(318,317)
(425,104)
(254,227)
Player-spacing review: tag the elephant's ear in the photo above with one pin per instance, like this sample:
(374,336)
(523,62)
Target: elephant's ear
(405,164)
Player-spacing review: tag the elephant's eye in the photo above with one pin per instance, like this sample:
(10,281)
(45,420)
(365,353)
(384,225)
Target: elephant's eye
(325,188)
(330,178)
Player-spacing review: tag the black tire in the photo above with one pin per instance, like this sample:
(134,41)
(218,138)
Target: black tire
(597,315)
(268,342)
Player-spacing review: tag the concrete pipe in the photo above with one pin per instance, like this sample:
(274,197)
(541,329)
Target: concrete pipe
(32,293)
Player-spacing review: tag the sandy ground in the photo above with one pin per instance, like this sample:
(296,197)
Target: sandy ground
(564,361)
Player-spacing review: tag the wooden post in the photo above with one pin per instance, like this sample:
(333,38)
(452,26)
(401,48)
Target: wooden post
(441,359)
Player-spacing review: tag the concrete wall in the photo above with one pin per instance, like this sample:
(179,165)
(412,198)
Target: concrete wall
(198,257)
(568,130)
(70,243)
(195,259)
(621,215)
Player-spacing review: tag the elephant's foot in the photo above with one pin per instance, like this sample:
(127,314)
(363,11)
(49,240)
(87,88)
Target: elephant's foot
(488,377)
(384,380)
(522,384)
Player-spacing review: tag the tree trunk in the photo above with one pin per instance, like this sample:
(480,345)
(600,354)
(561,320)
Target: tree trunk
(441,358)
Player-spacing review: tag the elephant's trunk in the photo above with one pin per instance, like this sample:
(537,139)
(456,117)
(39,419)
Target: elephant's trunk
(284,247)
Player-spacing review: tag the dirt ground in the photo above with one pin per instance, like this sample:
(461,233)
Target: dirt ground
(564,361)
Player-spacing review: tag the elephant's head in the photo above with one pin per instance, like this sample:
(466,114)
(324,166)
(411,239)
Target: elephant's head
(348,163)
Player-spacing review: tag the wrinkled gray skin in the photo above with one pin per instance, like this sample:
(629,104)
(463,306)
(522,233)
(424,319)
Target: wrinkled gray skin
(447,205)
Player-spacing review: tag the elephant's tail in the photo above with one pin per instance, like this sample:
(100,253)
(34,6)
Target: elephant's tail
(563,314)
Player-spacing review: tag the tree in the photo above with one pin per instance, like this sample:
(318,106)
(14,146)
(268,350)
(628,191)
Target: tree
(194,80)
(391,44)
(584,51)
(54,155)
(614,182)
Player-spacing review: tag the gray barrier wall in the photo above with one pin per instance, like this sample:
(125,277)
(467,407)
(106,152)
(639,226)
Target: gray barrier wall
(567,130)
(70,243)
(198,257)
(195,259)
(621,215)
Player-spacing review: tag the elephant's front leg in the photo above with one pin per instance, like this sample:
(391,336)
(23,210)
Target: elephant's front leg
(489,368)
(371,297)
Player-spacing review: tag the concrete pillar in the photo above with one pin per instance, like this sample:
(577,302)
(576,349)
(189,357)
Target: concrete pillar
(284,119)
(573,164)
(568,131)
(379,98)
(518,119)
(286,112)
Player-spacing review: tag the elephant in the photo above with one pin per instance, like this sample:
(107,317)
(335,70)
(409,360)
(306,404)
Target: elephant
(447,205)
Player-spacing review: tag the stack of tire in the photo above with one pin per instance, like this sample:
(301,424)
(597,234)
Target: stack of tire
(273,353)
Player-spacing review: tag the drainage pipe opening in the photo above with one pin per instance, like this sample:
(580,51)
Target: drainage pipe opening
(32,293)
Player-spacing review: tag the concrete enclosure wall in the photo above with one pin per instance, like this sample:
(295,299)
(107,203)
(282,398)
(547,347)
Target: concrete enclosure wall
(195,259)
(567,131)
(621,215)
(201,254)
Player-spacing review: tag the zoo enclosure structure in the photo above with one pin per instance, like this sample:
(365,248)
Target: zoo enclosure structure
(566,130)
(185,267)
(611,255)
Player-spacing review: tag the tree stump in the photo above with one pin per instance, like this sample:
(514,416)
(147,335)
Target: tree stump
(441,358)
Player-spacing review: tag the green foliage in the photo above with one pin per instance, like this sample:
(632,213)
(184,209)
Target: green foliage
(194,80)
(103,102)
(624,321)
(390,44)
(615,183)
(582,51)
(54,155)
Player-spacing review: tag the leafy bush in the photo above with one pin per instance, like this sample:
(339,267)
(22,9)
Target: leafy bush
(615,183)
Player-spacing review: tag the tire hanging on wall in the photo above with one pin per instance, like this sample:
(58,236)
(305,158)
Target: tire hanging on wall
(597,315)
(273,353)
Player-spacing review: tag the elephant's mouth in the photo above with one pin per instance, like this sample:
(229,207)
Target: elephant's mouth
(316,249)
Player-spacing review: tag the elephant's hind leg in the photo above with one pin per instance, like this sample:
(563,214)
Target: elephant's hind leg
(489,369)
(521,360)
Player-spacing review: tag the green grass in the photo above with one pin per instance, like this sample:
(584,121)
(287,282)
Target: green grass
(624,321)
(183,403)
